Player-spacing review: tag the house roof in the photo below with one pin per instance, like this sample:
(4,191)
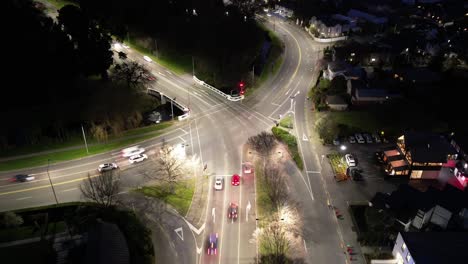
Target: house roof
(335,100)
(427,147)
(337,66)
(393,152)
(437,247)
(399,163)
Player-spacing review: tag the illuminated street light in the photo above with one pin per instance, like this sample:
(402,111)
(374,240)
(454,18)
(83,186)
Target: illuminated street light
(343,147)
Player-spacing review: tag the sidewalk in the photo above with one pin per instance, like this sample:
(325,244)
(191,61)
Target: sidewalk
(338,200)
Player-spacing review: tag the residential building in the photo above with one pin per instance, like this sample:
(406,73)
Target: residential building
(430,247)
(336,102)
(326,27)
(436,215)
(424,155)
(362,92)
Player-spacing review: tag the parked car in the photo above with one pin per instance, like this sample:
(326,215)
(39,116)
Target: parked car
(359,138)
(107,167)
(368,138)
(352,139)
(219,183)
(137,158)
(213,244)
(350,160)
(235,180)
(23,178)
(232,211)
(336,142)
(354,173)
(376,138)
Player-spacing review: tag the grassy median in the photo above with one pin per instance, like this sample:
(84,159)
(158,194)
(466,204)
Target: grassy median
(291,141)
(180,199)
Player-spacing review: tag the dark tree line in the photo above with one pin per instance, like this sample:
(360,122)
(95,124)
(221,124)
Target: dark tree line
(224,40)
(56,77)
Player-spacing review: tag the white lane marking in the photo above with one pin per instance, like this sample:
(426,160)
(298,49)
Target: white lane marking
(313,171)
(304,137)
(180,233)
(213,214)
(69,190)
(240,212)
(287,91)
(194,229)
(275,104)
(199,250)
(24,198)
(247,209)
(169,72)
(161,73)
(305,246)
(199,145)
(183,140)
(123,192)
(183,130)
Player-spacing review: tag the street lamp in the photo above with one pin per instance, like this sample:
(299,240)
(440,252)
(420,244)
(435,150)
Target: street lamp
(50,180)
(343,147)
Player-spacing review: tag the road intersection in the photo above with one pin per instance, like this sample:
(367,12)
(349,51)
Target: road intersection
(215,134)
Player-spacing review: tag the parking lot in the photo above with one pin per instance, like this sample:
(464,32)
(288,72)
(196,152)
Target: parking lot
(373,176)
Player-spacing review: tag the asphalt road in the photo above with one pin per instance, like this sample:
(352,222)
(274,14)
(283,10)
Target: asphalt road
(214,135)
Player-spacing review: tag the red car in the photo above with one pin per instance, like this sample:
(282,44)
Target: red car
(235,180)
(232,211)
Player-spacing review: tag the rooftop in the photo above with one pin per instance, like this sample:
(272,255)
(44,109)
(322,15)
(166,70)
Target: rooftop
(437,247)
(427,147)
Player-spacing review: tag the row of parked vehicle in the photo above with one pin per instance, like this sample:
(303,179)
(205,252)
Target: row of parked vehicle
(361,138)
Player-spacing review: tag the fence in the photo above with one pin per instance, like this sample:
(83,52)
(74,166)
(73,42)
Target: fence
(227,96)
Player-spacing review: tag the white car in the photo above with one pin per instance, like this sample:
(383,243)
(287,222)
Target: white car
(368,138)
(350,160)
(359,138)
(132,152)
(351,140)
(148,59)
(219,183)
(376,138)
(137,158)
(107,167)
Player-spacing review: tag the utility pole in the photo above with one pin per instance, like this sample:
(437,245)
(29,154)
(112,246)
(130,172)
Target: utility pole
(172,109)
(84,137)
(51,185)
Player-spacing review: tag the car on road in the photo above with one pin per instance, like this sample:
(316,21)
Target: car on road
(132,151)
(107,167)
(213,244)
(23,178)
(247,168)
(219,183)
(232,211)
(137,158)
(149,77)
(235,180)
(359,138)
(350,160)
(351,139)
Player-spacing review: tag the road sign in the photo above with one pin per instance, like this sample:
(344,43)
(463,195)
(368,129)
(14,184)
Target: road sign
(180,233)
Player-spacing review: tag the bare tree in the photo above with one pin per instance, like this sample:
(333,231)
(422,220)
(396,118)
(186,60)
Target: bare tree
(10,219)
(275,244)
(262,143)
(169,167)
(132,73)
(102,189)
(275,186)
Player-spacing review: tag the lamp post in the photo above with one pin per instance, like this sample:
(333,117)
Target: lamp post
(50,180)
(84,137)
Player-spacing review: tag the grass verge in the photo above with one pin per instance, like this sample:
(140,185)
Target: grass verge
(291,141)
(61,3)
(287,122)
(136,135)
(180,199)
(265,207)
(175,62)
(338,165)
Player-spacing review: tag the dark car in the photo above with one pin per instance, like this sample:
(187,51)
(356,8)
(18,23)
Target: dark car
(23,178)
(232,211)
(213,244)
(354,173)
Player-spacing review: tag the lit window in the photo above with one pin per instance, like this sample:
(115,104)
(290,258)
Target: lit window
(403,247)
(408,257)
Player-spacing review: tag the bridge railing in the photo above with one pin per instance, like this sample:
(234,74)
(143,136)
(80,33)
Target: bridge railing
(177,104)
(227,96)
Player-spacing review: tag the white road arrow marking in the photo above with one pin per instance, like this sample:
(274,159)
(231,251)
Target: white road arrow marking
(180,232)
(194,229)
(304,137)
(247,209)
(199,250)
(213,214)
